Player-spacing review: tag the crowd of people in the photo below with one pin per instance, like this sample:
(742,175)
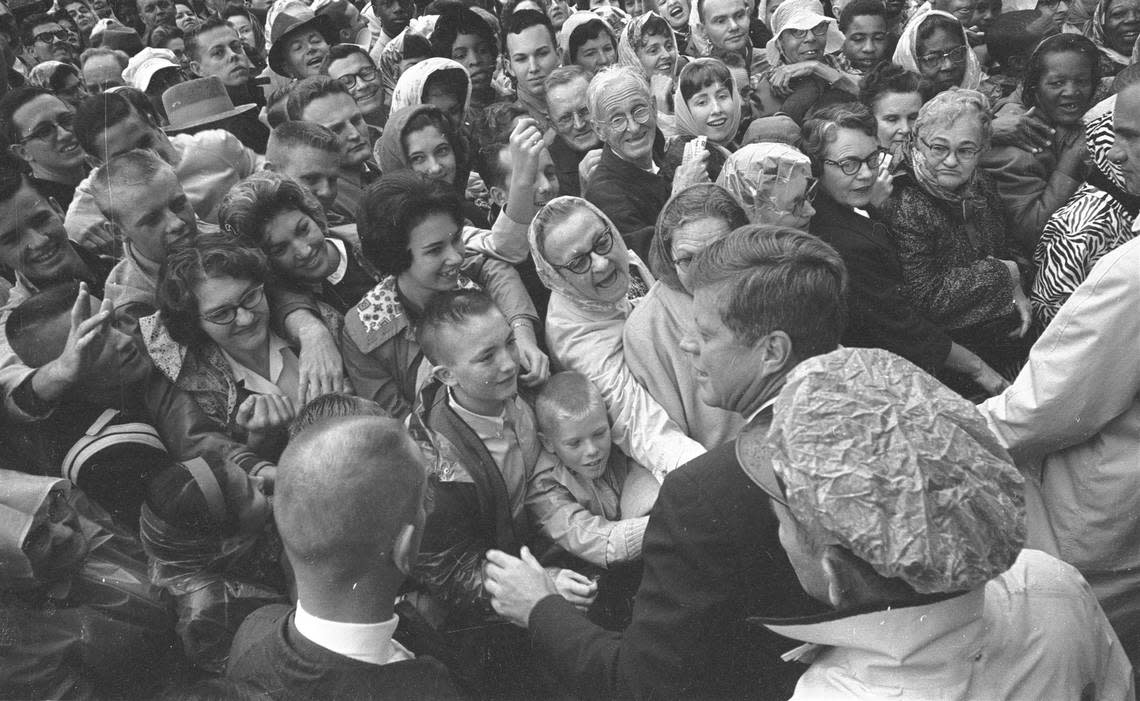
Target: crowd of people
(645,349)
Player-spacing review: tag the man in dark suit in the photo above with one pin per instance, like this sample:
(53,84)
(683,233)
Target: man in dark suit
(349,506)
(765,298)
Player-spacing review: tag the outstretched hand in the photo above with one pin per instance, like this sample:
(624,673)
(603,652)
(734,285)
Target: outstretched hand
(516,584)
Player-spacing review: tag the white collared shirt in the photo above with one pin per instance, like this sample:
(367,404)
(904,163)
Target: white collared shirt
(342,267)
(366,642)
(283,370)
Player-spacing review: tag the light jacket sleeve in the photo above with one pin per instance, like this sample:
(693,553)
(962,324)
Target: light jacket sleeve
(571,525)
(642,429)
(503,283)
(1082,373)
(505,240)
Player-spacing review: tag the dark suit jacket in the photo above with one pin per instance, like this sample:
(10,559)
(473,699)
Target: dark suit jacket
(881,313)
(630,196)
(711,555)
(271,656)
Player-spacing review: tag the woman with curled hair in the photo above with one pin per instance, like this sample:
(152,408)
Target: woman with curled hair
(841,142)
(1058,88)
(275,214)
(411,232)
(222,371)
(960,260)
(690,220)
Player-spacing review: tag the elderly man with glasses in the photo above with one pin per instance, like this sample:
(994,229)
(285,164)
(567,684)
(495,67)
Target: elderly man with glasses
(627,184)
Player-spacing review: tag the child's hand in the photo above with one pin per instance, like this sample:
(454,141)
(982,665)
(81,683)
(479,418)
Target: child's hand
(261,413)
(576,588)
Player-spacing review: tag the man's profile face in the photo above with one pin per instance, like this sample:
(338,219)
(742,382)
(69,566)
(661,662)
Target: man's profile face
(339,113)
(723,367)
(1125,151)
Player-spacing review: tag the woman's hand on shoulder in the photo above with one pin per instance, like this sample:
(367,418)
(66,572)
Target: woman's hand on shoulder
(1024,130)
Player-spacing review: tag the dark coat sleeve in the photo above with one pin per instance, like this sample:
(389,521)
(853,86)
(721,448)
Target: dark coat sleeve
(702,573)
(450,561)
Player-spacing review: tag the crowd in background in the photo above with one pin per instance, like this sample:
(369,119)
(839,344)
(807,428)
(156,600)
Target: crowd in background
(405,349)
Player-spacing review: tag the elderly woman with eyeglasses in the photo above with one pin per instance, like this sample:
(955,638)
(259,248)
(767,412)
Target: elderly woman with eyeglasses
(804,73)
(223,376)
(848,160)
(594,281)
(957,247)
(934,44)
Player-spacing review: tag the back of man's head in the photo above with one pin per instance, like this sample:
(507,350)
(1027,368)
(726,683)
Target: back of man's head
(348,491)
(774,278)
(137,167)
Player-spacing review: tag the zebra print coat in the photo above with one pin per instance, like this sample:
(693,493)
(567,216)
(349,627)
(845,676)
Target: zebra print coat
(1092,223)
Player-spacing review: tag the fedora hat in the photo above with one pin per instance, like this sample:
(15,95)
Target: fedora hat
(288,17)
(197,102)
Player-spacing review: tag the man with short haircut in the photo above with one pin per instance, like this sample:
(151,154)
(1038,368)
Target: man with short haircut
(465,37)
(37,126)
(34,245)
(45,40)
(627,183)
(215,49)
(898,510)
(102,69)
(325,101)
(349,507)
(354,68)
(864,26)
(725,23)
(532,52)
(310,154)
(140,196)
(83,16)
(574,130)
(386,19)
(764,299)
(154,13)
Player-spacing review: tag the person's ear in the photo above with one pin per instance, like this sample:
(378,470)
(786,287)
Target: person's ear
(268,165)
(196,68)
(499,196)
(403,549)
(444,374)
(547,444)
(777,352)
(19,151)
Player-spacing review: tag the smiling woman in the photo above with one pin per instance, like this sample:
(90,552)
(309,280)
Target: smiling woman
(1114,27)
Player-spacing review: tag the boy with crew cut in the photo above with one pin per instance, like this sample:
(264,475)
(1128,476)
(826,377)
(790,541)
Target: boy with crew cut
(587,497)
(483,436)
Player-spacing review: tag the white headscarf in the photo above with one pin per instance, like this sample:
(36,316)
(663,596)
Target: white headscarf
(906,53)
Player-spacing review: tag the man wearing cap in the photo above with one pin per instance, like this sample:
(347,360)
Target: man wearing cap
(152,71)
(765,298)
(900,510)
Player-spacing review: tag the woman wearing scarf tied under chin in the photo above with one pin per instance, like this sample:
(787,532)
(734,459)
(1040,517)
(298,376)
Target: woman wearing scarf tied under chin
(957,248)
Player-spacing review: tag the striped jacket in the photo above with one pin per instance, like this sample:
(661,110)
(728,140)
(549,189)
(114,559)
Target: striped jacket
(1093,222)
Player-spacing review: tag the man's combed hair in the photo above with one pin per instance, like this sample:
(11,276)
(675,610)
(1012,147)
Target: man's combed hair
(193,44)
(519,22)
(334,405)
(293,134)
(776,278)
(566,395)
(310,89)
(127,169)
(446,310)
(565,75)
(14,173)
